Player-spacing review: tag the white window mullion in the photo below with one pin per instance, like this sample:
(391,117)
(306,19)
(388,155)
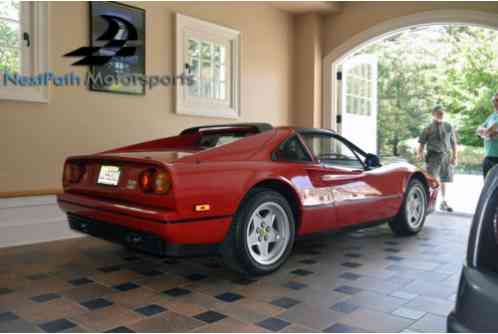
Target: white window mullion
(211,101)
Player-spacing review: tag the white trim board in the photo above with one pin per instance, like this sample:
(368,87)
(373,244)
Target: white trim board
(29,220)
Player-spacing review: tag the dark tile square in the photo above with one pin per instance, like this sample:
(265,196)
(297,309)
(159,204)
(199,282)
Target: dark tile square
(301,272)
(341,328)
(392,250)
(120,329)
(273,324)
(58,325)
(229,297)
(45,297)
(348,289)
(390,242)
(80,281)
(344,307)
(394,258)
(210,316)
(349,276)
(96,304)
(352,255)
(150,273)
(8,316)
(177,292)
(295,285)
(244,281)
(126,286)
(351,264)
(150,310)
(285,302)
(196,277)
(109,269)
(308,261)
(4,291)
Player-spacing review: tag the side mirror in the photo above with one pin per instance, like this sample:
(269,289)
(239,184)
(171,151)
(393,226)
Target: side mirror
(372,160)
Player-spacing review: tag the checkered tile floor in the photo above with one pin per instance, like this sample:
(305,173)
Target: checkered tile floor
(362,281)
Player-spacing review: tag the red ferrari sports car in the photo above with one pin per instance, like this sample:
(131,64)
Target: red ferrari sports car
(244,190)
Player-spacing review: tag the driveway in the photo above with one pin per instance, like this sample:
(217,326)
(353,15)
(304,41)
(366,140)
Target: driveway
(363,281)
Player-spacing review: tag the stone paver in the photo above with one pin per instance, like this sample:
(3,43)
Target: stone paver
(368,280)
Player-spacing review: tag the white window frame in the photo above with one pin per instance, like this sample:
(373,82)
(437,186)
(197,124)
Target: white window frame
(34,21)
(191,28)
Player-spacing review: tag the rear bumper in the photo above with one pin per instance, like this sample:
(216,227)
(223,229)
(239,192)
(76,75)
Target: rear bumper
(174,233)
(143,241)
(477,302)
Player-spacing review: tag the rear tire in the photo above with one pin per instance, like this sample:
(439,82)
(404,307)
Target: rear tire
(411,216)
(262,233)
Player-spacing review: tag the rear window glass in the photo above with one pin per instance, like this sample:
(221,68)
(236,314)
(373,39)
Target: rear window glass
(210,140)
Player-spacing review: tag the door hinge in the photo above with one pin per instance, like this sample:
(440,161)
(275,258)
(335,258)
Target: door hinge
(338,119)
(339,76)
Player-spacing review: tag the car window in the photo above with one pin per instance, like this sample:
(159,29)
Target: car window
(293,150)
(330,150)
(217,139)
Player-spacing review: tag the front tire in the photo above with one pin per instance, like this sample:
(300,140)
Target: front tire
(411,216)
(262,234)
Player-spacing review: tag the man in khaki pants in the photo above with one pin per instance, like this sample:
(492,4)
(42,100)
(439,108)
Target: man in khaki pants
(440,140)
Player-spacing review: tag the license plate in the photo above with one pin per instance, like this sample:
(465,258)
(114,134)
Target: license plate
(109,175)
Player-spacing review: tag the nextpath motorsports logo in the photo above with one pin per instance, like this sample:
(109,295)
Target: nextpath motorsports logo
(115,58)
(116,39)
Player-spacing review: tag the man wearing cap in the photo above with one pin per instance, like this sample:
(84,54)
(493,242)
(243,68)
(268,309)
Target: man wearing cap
(489,132)
(440,139)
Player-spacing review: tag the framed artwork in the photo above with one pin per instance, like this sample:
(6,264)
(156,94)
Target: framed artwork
(117,32)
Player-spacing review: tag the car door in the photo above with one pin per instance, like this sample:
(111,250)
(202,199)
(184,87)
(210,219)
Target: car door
(357,198)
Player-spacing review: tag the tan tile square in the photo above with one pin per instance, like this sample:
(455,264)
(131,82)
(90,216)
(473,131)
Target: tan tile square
(229,325)
(135,297)
(115,278)
(87,291)
(106,318)
(163,282)
(166,322)
(188,309)
(52,310)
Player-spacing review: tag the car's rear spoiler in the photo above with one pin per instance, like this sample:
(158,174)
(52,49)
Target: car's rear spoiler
(259,127)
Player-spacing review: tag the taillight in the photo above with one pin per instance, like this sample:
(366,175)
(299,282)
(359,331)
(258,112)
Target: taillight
(73,173)
(155,181)
(162,182)
(146,181)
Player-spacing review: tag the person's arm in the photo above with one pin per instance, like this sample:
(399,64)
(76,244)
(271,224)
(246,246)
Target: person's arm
(485,132)
(422,140)
(420,151)
(454,146)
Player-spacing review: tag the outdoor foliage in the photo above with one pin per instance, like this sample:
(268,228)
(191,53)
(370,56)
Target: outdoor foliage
(452,66)
(9,36)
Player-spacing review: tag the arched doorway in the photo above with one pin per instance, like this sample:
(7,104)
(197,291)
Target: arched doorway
(336,104)
(383,30)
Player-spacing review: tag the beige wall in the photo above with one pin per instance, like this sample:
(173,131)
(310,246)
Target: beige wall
(308,70)
(35,138)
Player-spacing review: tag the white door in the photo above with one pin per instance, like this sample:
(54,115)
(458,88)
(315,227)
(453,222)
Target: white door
(358,103)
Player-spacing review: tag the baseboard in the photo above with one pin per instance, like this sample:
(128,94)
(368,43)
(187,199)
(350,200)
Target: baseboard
(28,193)
(30,220)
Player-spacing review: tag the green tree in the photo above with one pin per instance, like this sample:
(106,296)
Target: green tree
(9,37)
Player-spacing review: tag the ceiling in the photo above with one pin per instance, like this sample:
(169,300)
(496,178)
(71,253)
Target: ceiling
(305,7)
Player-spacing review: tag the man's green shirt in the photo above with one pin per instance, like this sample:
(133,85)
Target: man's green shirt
(491,144)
